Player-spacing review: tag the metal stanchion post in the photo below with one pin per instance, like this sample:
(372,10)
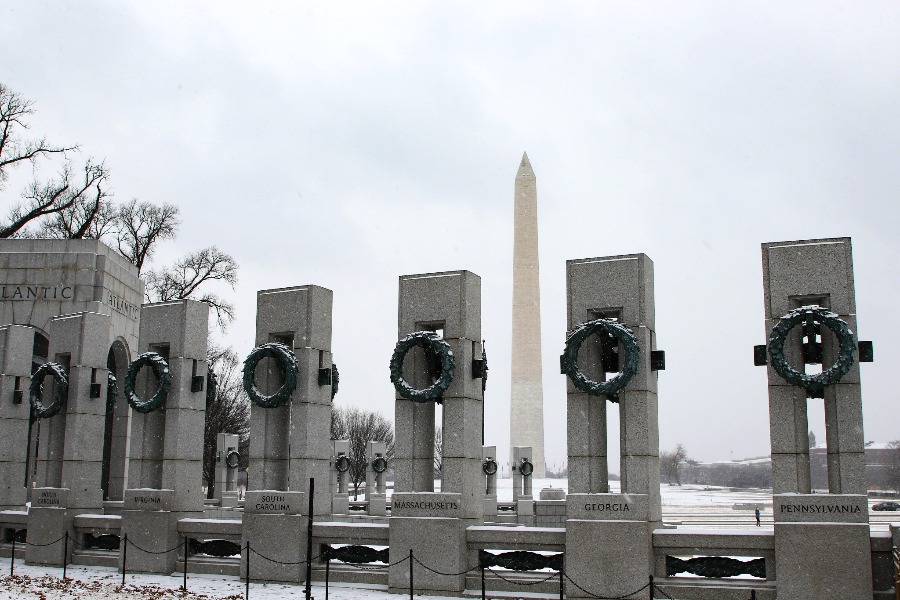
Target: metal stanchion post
(752,594)
(12,559)
(410,574)
(652,595)
(65,554)
(483,591)
(327,574)
(562,575)
(184,581)
(124,557)
(247,581)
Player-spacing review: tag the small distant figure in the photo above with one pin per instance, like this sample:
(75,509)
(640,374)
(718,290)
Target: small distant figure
(757,516)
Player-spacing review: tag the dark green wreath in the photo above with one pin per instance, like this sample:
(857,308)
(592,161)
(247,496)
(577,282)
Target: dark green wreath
(812,314)
(335,380)
(212,387)
(163,375)
(342,463)
(36,390)
(233,459)
(432,343)
(489,467)
(526,468)
(380,464)
(632,353)
(287,364)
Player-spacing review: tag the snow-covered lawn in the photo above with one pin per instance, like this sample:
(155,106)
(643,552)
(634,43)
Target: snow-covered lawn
(103,583)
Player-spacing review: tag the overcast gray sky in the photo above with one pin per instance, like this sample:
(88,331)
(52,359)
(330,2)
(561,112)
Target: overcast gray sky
(345,144)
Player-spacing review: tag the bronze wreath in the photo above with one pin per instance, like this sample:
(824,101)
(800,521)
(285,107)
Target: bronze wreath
(287,364)
(630,365)
(846,355)
(379,465)
(526,468)
(342,463)
(163,375)
(431,342)
(489,467)
(36,390)
(233,459)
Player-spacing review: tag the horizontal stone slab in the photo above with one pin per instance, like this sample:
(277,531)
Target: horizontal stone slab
(48,497)
(426,504)
(148,499)
(607,507)
(820,508)
(274,502)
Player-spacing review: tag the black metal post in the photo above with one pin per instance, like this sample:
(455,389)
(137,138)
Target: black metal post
(410,574)
(184,581)
(327,572)
(247,581)
(124,557)
(65,554)
(12,559)
(309,529)
(482,584)
(752,594)
(561,577)
(651,588)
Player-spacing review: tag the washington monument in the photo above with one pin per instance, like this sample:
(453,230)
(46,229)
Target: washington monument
(527,401)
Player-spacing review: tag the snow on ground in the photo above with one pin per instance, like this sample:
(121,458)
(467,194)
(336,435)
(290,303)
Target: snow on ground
(104,583)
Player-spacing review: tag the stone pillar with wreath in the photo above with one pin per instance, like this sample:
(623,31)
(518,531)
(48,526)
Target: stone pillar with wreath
(610,356)
(438,359)
(822,546)
(376,472)
(165,387)
(16,350)
(68,400)
(290,380)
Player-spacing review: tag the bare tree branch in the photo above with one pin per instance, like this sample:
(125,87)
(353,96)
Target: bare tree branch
(140,225)
(90,215)
(14,111)
(184,278)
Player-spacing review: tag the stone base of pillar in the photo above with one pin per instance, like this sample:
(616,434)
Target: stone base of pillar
(438,543)
(490,507)
(45,528)
(377,505)
(276,531)
(822,546)
(604,568)
(340,504)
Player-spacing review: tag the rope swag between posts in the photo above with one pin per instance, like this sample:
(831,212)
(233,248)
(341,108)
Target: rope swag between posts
(811,315)
(163,375)
(629,344)
(287,364)
(36,390)
(433,343)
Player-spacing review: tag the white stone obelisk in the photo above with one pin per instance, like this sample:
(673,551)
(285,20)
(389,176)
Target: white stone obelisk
(527,397)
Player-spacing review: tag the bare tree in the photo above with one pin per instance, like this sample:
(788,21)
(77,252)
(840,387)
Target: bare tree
(89,212)
(14,149)
(360,427)
(140,225)
(182,280)
(670,463)
(227,410)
